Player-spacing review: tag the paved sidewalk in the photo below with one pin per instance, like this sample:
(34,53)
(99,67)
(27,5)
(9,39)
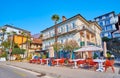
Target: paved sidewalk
(65,72)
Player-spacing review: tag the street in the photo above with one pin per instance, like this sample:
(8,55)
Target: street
(11,72)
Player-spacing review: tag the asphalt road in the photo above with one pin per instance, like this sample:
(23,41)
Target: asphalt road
(11,72)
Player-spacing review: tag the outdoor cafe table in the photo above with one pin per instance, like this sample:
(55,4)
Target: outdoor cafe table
(47,59)
(75,62)
(100,64)
(57,60)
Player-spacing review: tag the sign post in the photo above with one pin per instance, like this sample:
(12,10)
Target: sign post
(10,51)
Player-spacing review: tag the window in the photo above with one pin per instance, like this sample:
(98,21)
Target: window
(107,16)
(61,29)
(117,35)
(67,28)
(103,29)
(49,33)
(107,22)
(61,41)
(109,27)
(109,35)
(100,18)
(101,23)
(73,25)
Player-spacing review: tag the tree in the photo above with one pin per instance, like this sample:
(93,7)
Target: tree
(70,45)
(22,34)
(55,18)
(57,46)
(3,34)
(12,42)
(7,44)
(106,39)
(28,43)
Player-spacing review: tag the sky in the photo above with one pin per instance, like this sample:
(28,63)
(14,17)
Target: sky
(35,15)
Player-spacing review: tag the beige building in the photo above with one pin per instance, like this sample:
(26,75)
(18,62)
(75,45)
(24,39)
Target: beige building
(31,47)
(77,28)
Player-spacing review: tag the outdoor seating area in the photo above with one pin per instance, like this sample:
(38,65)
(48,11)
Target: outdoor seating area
(100,65)
(88,60)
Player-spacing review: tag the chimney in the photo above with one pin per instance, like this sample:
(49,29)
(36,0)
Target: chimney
(63,18)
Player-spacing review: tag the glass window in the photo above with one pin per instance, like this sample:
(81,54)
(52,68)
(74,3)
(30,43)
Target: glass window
(109,34)
(100,18)
(73,25)
(101,23)
(61,41)
(109,27)
(103,29)
(107,16)
(107,22)
(61,29)
(67,28)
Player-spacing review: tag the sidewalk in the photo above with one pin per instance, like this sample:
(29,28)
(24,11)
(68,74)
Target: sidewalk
(65,72)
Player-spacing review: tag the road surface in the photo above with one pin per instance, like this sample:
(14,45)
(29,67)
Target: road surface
(13,72)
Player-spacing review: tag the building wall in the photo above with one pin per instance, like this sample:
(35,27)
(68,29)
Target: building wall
(9,30)
(19,39)
(69,30)
(107,22)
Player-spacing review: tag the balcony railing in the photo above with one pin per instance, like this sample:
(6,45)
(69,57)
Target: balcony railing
(71,30)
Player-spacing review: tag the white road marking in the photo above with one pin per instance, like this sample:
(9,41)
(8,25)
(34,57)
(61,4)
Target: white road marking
(32,72)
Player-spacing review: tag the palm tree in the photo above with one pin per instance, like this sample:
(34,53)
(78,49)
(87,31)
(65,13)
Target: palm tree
(12,43)
(28,43)
(55,18)
(22,34)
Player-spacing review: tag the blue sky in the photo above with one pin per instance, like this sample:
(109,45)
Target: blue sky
(35,15)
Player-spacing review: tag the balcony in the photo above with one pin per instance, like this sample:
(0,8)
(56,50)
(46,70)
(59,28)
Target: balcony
(78,28)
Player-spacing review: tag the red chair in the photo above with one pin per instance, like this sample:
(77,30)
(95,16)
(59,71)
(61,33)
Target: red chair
(34,60)
(109,63)
(54,62)
(62,61)
(30,61)
(80,62)
(70,62)
(38,61)
(44,61)
(90,63)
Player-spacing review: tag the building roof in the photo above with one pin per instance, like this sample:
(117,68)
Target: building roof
(78,15)
(36,41)
(36,35)
(105,14)
(14,28)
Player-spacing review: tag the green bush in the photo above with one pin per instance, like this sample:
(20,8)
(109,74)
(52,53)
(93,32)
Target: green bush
(18,51)
(4,54)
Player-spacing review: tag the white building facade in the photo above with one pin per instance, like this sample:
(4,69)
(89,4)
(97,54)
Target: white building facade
(107,22)
(9,29)
(76,28)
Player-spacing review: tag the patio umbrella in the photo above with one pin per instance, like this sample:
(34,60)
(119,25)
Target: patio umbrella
(89,48)
(105,49)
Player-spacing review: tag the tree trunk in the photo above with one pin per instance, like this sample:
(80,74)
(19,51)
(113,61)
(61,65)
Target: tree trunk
(22,43)
(55,31)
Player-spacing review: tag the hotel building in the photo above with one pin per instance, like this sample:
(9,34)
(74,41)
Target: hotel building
(76,28)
